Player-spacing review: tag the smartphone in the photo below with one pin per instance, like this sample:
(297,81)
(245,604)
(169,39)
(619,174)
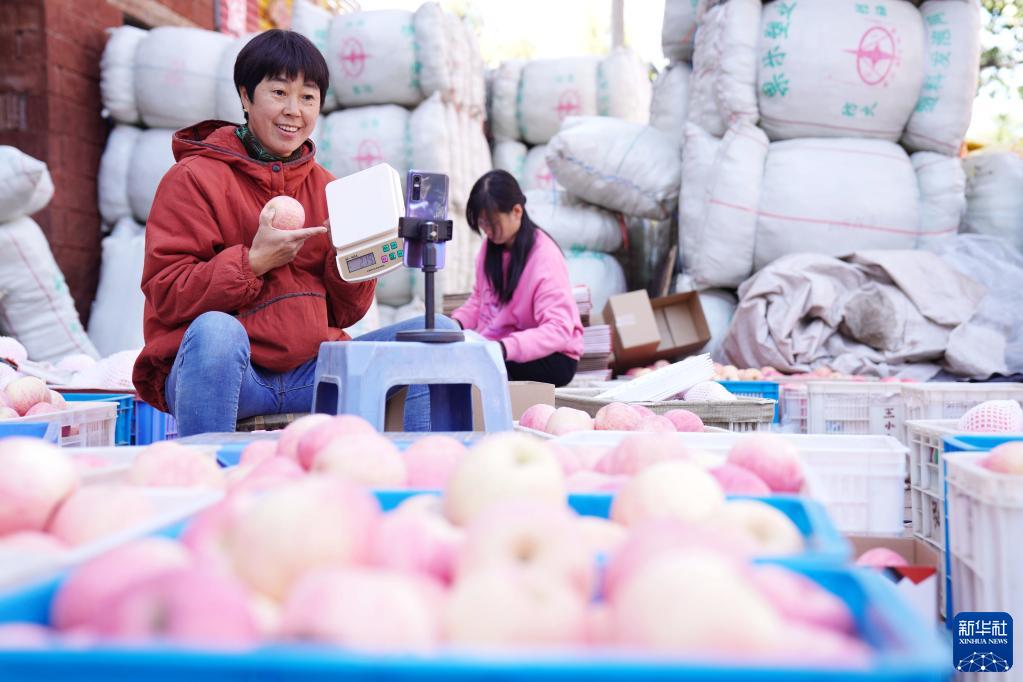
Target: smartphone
(426,196)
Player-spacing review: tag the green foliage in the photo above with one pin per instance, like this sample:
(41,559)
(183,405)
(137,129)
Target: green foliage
(1004,55)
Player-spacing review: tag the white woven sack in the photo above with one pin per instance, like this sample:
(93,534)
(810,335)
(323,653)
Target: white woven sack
(115,323)
(553,90)
(839,68)
(313,22)
(113,174)
(176,75)
(229,102)
(835,197)
(480,147)
(477,76)
(678,32)
(723,88)
(432,48)
(35,305)
(573,224)
(459,61)
(623,87)
(25,184)
(151,158)
(599,271)
(504,100)
(432,142)
(718,308)
(510,155)
(669,104)
(356,139)
(372,58)
(994,202)
(942,184)
(117,74)
(721,185)
(622,166)
(459,181)
(536,173)
(945,106)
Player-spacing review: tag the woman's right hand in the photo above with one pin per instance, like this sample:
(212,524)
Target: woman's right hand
(272,248)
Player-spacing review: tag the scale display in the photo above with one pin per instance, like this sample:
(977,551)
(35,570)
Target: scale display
(360,262)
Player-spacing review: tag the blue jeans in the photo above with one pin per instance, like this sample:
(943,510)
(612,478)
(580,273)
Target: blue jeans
(213,382)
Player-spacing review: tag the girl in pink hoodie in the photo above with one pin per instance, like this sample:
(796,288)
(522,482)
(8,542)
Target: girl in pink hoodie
(522,297)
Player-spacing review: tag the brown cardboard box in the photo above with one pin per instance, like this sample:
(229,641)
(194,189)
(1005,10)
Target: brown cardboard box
(918,582)
(634,333)
(681,324)
(524,394)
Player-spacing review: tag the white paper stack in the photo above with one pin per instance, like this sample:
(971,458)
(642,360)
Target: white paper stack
(665,382)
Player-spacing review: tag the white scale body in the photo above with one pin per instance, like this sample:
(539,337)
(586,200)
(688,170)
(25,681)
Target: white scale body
(364,210)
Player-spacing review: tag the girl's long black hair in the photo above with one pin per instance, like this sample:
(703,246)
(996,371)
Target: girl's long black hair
(498,192)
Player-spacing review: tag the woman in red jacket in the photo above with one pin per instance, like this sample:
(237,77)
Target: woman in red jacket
(235,309)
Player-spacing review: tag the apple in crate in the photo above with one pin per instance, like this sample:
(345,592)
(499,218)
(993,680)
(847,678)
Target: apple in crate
(774,459)
(258,451)
(35,477)
(536,416)
(269,473)
(529,536)
(24,392)
(800,599)
(363,458)
(431,461)
(638,451)
(736,480)
(594,482)
(417,538)
(168,464)
(288,213)
(1006,458)
(770,530)
(184,605)
(677,490)
(8,413)
(568,420)
(503,467)
(601,535)
(364,609)
(881,557)
(25,636)
(340,428)
(508,607)
(88,590)
(656,424)
(287,444)
(94,512)
(617,417)
(41,408)
(271,539)
(685,421)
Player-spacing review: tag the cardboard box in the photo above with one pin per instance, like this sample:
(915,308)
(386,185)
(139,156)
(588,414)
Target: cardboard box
(524,394)
(679,326)
(918,582)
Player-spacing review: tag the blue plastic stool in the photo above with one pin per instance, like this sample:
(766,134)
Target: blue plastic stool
(354,377)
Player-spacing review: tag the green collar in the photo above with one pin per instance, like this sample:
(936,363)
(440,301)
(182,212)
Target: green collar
(256,149)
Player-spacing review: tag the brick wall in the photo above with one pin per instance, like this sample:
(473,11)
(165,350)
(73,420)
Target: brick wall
(50,108)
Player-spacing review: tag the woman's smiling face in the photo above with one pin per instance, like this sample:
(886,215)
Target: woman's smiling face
(282,113)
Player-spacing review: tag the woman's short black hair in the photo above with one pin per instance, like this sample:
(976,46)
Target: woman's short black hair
(280,53)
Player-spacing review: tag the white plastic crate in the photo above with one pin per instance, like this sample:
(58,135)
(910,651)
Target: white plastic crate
(925,439)
(985,524)
(843,407)
(172,505)
(951,399)
(859,479)
(82,424)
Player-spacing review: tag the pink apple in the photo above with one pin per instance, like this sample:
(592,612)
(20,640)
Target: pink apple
(269,473)
(7,375)
(41,408)
(8,413)
(12,349)
(322,433)
(685,421)
(34,479)
(168,464)
(183,605)
(206,535)
(363,609)
(1006,458)
(656,424)
(514,608)
(25,636)
(594,482)
(800,599)
(430,461)
(643,410)
(57,400)
(769,529)
(809,646)
(568,420)
(288,213)
(678,490)
(76,362)
(503,467)
(617,417)
(287,444)
(363,458)
(533,537)
(315,522)
(736,480)
(774,459)
(599,626)
(89,589)
(881,557)
(417,541)
(258,451)
(600,535)
(723,614)
(636,452)
(23,393)
(93,512)
(536,416)
(568,458)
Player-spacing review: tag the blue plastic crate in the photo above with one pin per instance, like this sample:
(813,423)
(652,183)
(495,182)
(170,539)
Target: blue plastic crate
(125,411)
(152,425)
(48,431)
(906,650)
(769,390)
(825,546)
(977,442)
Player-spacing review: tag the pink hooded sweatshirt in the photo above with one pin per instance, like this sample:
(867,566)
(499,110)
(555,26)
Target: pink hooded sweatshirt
(540,319)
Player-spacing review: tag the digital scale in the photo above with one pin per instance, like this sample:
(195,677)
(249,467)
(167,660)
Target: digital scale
(365,209)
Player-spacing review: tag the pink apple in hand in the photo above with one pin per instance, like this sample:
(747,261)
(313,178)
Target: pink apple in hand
(288,213)
(35,477)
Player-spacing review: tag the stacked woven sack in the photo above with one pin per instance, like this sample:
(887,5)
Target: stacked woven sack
(406,88)
(532,105)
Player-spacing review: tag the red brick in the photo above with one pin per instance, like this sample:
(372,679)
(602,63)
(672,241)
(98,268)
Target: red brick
(29,45)
(29,14)
(79,88)
(81,155)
